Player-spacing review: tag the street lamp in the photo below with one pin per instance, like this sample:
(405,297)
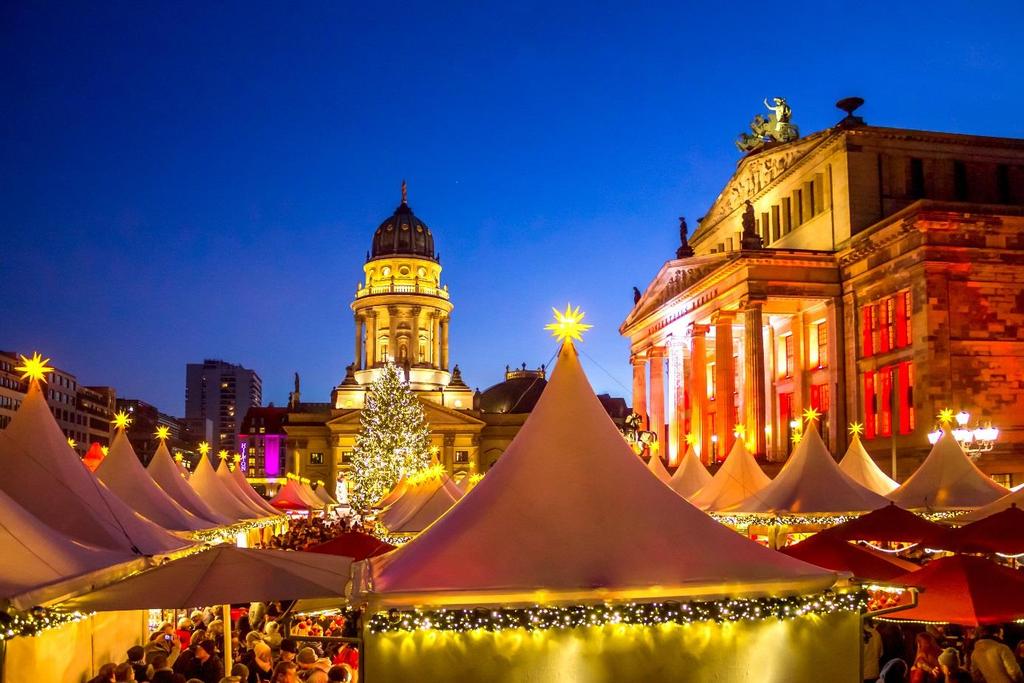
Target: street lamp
(975,441)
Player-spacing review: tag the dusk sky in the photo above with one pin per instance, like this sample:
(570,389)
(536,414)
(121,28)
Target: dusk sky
(190,180)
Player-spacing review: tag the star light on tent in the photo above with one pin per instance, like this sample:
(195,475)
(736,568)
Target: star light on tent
(691,439)
(162,432)
(568,325)
(121,420)
(72,442)
(946,416)
(811,415)
(204,448)
(739,431)
(34,368)
(222,454)
(179,456)
(856,428)
(104,450)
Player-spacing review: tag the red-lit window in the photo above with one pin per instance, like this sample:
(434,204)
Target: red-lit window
(867,330)
(886,324)
(907,310)
(906,397)
(788,341)
(821,402)
(870,406)
(884,402)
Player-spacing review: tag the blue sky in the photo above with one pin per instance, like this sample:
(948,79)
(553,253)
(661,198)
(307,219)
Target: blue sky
(190,180)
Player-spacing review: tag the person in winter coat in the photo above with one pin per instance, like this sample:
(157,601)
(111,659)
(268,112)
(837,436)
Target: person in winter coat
(926,662)
(207,665)
(992,661)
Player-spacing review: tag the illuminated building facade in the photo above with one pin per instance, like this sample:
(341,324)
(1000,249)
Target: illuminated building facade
(875,274)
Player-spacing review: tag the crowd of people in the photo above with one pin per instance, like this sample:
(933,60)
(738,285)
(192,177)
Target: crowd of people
(895,653)
(192,652)
(305,532)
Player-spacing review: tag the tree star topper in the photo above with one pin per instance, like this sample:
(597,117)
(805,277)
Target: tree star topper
(811,415)
(162,432)
(568,325)
(34,368)
(121,420)
(856,428)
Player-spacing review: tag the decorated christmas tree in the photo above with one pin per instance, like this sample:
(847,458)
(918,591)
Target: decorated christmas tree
(393,439)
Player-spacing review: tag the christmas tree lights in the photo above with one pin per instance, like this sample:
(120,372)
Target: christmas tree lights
(393,439)
(640,614)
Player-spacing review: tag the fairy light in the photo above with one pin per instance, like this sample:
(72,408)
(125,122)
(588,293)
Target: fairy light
(14,623)
(538,618)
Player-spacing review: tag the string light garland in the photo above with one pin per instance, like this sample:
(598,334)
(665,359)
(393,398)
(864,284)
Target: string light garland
(14,623)
(226,533)
(538,618)
(742,520)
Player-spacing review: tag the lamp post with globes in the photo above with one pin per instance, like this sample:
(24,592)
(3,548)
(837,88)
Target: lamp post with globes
(974,440)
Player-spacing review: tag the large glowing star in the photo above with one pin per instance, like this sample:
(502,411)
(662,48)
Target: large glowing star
(946,415)
(856,428)
(811,415)
(34,368)
(162,432)
(121,420)
(204,448)
(739,431)
(222,454)
(568,325)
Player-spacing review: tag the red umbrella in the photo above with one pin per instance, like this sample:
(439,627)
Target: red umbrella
(838,555)
(1002,532)
(965,590)
(354,544)
(890,524)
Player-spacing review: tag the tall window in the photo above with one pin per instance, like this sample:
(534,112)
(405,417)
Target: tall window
(712,384)
(822,330)
(879,388)
(885,324)
(787,342)
(461,457)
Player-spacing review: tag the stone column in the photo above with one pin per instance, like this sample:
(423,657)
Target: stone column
(699,390)
(393,334)
(725,382)
(801,392)
(414,352)
(359,341)
(640,388)
(435,340)
(754,376)
(448,453)
(444,343)
(658,397)
(371,338)
(675,399)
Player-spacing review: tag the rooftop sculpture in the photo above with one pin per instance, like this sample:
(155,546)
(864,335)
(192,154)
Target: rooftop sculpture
(776,128)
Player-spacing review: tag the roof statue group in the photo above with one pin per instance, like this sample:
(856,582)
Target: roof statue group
(776,128)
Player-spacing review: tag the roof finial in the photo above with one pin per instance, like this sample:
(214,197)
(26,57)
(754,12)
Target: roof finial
(405,193)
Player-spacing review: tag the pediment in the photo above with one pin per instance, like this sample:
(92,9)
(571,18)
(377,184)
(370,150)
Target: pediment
(673,278)
(755,173)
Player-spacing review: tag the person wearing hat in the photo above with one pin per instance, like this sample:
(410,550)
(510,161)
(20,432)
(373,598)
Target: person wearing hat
(949,661)
(137,660)
(306,660)
(289,648)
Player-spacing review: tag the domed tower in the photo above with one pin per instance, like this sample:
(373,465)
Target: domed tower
(401,315)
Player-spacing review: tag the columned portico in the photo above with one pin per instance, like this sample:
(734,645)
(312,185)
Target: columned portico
(754,375)
(640,388)
(657,356)
(699,391)
(725,381)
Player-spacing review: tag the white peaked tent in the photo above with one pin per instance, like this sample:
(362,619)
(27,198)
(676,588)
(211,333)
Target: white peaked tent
(125,475)
(205,482)
(166,474)
(43,475)
(292,497)
(811,482)
(34,555)
(321,493)
(862,468)
(231,485)
(394,494)
(947,480)
(309,493)
(1015,497)
(737,479)
(421,505)
(656,467)
(246,488)
(690,476)
(615,532)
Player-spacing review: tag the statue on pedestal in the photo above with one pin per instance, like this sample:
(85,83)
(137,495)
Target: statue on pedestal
(684,250)
(776,128)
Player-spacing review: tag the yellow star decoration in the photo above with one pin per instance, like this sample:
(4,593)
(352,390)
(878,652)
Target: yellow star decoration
(34,368)
(204,448)
(691,439)
(121,420)
(222,454)
(178,457)
(739,431)
(72,442)
(568,325)
(811,415)
(237,457)
(162,432)
(946,415)
(104,450)
(795,438)
(856,428)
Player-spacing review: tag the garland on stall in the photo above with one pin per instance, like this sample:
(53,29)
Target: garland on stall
(14,623)
(743,520)
(644,614)
(229,532)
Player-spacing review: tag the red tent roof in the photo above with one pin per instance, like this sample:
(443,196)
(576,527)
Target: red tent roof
(1002,532)
(354,544)
(965,590)
(890,524)
(838,555)
(93,457)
